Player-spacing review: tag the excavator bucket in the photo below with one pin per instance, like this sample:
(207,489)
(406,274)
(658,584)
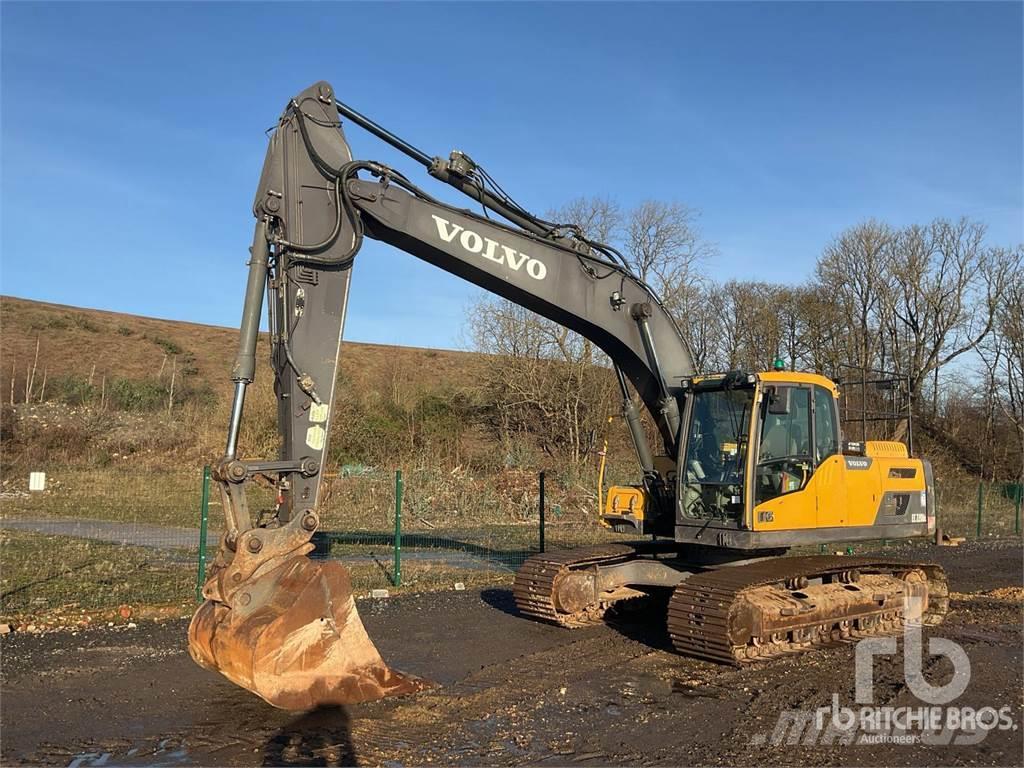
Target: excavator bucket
(293,636)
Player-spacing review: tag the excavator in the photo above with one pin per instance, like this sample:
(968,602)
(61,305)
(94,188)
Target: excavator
(736,468)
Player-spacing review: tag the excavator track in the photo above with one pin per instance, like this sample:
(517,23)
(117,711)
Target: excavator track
(536,583)
(746,613)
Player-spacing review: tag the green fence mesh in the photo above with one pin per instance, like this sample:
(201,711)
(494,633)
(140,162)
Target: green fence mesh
(113,539)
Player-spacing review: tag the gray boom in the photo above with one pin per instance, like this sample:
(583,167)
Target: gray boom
(312,212)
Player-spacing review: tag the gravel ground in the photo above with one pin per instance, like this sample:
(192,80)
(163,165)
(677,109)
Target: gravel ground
(510,692)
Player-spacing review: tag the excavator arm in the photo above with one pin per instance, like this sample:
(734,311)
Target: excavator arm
(273,621)
(287,628)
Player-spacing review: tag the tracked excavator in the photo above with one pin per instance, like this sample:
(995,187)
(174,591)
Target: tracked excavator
(740,468)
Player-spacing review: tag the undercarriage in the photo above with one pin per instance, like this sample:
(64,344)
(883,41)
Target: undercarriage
(740,610)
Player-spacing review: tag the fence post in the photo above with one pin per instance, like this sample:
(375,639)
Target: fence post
(1016,508)
(981,503)
(541,540)
(204,518)
(397,578)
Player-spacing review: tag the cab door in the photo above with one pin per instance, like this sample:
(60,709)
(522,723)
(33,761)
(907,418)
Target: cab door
(784,498)
(830,467)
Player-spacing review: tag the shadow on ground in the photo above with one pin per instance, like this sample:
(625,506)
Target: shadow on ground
(320,737)
(641,619)
(500,600)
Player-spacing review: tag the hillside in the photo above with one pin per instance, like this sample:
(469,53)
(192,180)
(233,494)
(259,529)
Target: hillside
(392,404)
(95,342)
(107,377)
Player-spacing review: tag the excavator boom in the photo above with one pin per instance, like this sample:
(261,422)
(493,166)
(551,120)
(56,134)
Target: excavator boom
(273,621)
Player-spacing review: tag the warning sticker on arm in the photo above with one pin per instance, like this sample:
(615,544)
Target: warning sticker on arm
(315,437)
(319,413)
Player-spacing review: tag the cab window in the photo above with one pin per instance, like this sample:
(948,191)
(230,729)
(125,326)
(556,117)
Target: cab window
(784,461)
(826,433)
(716,453)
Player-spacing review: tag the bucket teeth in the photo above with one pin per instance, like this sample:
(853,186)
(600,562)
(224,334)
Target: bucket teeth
(293,636)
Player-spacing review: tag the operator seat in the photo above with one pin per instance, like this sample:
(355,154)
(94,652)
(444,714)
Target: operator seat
(783,439)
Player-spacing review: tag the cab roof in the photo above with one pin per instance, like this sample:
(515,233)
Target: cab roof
(798,377)
(779,377)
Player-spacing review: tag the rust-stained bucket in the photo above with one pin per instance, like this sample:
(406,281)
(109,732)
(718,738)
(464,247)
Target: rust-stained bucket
(294,637)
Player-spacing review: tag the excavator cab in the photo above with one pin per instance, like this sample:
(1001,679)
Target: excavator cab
(725,473)
(762,465)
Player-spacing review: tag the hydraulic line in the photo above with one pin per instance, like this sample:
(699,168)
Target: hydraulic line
(636,429)
(384,135)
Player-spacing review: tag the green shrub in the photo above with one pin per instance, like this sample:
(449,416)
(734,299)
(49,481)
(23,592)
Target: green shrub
(187,364)
(72,389)
(137,395)
(53,444)
(144,395)
(441,418)
(168,346)
(8,422)
(124,330)
(199,394)
(54,322)
(83,322)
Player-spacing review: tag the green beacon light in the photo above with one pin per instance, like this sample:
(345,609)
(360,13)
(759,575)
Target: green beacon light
(779,364)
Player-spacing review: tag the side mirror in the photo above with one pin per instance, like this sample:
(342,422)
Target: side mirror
(779,400)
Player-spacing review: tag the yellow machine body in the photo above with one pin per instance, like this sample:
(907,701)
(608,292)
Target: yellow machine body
(763,465)
(624,507)
(834,495)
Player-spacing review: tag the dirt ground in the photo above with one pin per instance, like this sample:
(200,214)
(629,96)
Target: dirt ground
(510,692)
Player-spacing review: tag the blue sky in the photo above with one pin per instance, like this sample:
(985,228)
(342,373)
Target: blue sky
(133,134)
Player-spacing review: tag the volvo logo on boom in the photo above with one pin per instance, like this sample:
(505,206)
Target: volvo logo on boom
(490,249)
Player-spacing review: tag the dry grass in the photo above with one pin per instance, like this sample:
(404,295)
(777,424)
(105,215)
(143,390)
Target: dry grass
(166,498)
(53,574)
(64,581)
(96,342)
(958,508)
(434,500)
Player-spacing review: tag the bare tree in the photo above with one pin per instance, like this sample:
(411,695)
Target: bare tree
(751,323)
(599,218)
(554,384)
(822,330)
(539,377)
(1011,330)
(850,270)
(943,290)
(665,249)
(703,323)
(1003,356)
